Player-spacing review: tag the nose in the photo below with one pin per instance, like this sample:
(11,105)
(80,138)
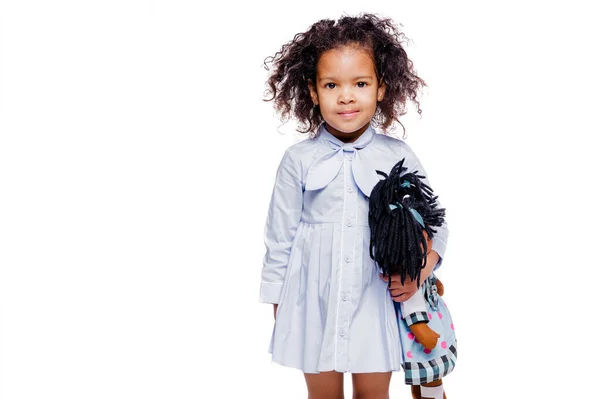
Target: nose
(346,97)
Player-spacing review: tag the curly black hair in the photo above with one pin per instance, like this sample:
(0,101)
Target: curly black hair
(295,67)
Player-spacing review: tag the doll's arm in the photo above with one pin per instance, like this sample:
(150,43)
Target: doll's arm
(283,218)
(415,316)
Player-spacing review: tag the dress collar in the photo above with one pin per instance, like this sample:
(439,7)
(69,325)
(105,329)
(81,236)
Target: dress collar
(361,142)
(326,167)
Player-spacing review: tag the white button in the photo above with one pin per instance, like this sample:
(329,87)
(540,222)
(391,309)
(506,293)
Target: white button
(349,157)
(343,333)
(348,259)
(349,223)
(344,297)
(350,189)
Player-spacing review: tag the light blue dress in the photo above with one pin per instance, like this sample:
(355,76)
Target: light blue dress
(334,312)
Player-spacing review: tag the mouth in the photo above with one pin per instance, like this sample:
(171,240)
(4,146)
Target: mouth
(348,114)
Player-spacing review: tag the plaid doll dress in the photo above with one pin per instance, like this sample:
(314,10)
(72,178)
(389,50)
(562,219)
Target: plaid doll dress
(423,365)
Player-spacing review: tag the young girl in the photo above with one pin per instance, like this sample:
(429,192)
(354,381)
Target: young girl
(334,312)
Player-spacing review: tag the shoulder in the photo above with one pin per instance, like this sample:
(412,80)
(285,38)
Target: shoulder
(300,156)
(396,146)
(304,152)
(302,148)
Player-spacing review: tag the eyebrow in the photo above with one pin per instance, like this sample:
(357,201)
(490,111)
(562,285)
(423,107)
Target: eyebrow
(356,78)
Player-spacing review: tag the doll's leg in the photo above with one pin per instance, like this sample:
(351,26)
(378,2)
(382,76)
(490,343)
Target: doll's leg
(371,385)
(325,385)
(430,390)
(416,391)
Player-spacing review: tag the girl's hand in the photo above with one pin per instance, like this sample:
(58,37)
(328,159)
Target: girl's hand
(275,311)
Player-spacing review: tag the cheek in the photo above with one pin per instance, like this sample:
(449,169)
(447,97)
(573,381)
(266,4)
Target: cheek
(327,102)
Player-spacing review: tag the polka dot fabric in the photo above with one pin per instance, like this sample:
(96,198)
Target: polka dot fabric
(415,356)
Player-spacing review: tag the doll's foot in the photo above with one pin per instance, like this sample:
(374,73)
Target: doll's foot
(425,335)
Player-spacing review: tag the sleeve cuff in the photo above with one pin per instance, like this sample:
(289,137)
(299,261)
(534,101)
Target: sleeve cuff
(438,246)
(417,317)
(270,292)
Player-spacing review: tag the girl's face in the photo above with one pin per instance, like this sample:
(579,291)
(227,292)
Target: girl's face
(347,91)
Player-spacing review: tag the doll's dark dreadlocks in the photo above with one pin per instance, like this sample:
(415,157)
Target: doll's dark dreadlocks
(401,206)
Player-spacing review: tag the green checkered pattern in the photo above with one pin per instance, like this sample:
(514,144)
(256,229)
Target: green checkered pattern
(416,317)
(417,373)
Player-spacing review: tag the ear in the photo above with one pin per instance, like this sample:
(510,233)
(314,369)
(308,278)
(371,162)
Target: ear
(313,93)
(381,92)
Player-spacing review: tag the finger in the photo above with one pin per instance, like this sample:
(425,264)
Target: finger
(384,278)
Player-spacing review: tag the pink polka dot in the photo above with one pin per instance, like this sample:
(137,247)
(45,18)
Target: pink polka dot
(430,316)
(440,315)
(409,354)
(411,336)
(428,351)
(444,345)
(452,326)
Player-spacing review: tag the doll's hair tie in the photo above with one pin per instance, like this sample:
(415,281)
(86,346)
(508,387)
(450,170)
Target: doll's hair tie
(416,214)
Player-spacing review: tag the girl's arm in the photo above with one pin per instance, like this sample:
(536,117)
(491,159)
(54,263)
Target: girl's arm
(283,218)
(440,238)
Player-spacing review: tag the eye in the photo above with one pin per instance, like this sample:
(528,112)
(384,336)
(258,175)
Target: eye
(362,84)
(330,85)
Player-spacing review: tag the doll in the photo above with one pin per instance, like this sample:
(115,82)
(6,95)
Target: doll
(402,214)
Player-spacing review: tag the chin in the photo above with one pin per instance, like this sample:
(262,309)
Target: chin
(349,128)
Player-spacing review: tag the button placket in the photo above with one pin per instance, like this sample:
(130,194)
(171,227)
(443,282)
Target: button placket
(348,263)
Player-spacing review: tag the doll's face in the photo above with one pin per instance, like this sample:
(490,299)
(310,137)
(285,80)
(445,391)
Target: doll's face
(347,91)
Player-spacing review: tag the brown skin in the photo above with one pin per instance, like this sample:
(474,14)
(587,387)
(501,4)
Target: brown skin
(346,81)
(425,335)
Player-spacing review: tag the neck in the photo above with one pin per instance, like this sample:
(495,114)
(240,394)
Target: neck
(346,137)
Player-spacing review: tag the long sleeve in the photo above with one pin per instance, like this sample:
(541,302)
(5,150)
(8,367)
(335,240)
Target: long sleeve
(440,238)
(283,219)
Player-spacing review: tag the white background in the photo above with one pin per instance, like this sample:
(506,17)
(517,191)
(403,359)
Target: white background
(137,161)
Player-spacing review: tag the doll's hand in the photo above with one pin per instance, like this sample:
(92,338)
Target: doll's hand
(425,335)
(399,292)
